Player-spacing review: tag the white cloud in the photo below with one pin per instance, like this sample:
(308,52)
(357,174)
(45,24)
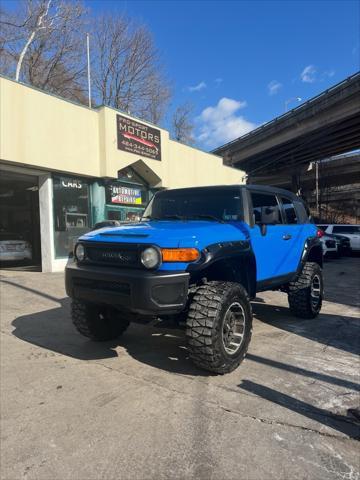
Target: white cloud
(198,87)
(308,75)
(312,74)
(220,124)
(273,87)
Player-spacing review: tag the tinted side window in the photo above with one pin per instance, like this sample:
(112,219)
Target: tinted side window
(346,229)
(302,212)
(268,202)
(289,209)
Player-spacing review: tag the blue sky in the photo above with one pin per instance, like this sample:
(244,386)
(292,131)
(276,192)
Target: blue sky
(239,62)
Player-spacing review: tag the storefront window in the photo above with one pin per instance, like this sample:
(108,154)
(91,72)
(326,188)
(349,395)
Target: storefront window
(71,213)
(125,201)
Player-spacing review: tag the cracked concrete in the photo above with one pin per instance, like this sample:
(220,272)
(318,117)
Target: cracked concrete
(138,408)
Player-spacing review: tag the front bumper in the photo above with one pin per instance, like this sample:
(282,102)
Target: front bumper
(139,291)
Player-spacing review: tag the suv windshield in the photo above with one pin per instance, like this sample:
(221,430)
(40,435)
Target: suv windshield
(220,205)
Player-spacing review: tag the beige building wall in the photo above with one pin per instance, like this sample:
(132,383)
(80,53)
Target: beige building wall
(43,131)
(40,134)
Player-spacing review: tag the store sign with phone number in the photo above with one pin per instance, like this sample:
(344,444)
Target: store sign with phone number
(135,137)
(125,195)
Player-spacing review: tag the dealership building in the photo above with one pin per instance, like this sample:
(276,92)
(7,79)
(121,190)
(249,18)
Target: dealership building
(65,167)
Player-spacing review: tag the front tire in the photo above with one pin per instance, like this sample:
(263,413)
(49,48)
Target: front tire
(306,292)
(98,322)
(219,326)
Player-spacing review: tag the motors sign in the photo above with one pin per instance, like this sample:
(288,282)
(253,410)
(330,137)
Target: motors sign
(135,137)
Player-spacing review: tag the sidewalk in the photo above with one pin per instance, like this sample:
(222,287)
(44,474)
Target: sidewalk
(73,409)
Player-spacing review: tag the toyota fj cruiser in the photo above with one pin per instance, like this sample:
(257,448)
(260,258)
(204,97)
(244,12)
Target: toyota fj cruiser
(198,255)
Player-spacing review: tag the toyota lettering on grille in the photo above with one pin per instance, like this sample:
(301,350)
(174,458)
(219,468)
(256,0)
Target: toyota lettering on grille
(114,255)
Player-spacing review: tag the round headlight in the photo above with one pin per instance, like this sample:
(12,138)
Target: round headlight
(150,257)
(80,252)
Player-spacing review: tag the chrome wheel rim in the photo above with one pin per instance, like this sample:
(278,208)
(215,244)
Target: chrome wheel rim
(315,291)
(233,329)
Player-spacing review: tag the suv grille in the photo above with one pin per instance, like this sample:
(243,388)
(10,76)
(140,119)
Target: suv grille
(119,255)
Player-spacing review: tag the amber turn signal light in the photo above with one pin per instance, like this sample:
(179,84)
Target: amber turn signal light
(180,254)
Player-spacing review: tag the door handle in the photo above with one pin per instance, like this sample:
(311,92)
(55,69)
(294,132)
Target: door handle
(286,237)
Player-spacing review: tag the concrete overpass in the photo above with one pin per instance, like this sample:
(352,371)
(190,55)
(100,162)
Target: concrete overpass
(326,125)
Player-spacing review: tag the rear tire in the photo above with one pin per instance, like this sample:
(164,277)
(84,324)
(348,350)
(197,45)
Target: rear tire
(98,322)
(219,326)
(306,292)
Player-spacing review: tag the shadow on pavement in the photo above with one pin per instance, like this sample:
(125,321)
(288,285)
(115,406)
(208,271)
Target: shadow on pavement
(330,330)
(31,290)
(337,422)
(157,346)
(165,348)
(52,329)
(323,377)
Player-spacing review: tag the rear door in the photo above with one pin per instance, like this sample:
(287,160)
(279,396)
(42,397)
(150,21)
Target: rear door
(295,231)
(272,250)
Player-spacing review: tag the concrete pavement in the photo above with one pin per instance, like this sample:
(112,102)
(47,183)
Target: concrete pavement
(138,408)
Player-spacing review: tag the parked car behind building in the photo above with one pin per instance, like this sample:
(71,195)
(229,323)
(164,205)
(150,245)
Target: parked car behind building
(14,248)
(343,243)
(352,232)
(329,246)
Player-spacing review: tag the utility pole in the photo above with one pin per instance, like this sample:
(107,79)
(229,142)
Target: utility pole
(88,66)
(317,189)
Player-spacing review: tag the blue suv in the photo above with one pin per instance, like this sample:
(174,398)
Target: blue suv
(199,255)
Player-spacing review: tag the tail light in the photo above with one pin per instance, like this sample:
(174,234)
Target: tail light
(320,233)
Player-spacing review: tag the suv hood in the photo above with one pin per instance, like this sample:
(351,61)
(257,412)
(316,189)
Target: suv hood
(172,233)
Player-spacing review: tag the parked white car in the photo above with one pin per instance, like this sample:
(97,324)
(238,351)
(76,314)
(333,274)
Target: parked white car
(14,248)
(329,246)
(352,232)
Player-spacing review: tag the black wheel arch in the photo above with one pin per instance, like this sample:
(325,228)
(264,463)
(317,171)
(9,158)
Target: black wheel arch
(227,261)
(312,252)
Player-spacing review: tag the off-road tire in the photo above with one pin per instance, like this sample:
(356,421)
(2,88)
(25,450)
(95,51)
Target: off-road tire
(96,322)
(205,324)
(300,292)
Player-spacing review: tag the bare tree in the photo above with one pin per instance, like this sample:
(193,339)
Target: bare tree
(40,24)
(43,43)
(182,127)
(127,72)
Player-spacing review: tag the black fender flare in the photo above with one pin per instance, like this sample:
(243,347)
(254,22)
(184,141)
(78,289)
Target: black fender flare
(312,252)
(231,261)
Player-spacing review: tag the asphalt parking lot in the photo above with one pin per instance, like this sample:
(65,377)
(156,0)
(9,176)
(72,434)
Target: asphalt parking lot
(138,409)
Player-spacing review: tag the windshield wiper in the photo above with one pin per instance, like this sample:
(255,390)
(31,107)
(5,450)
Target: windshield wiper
(164,217)
(206,216)
(174,216)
